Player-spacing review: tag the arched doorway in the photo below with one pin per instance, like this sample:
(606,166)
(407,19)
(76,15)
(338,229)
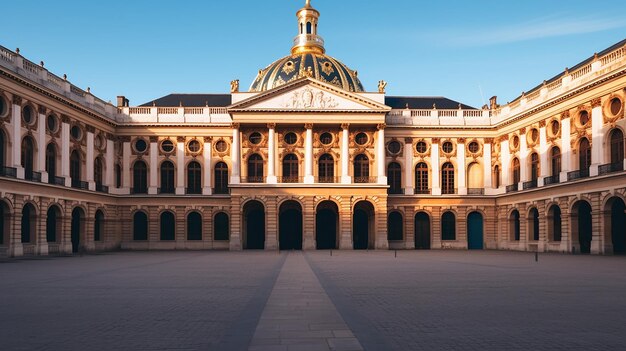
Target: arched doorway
(617,225)
(168,226)
(77,228)
(53,222)
(514,226)
(581,223)
(28,157)
(395,226)
(326,226)
(28,223)
(4,222)
(422,231)
(254,225)
(140,226)
(362,226)
(194,226)
(554,223)
(617,147)
(533,227)
(475,232)
(98,226)
(290,226)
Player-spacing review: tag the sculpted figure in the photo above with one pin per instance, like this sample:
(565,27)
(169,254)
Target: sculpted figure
(234,86)
(381,86)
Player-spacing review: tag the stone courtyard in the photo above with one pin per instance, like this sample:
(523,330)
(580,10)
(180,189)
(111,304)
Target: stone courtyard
(419,300)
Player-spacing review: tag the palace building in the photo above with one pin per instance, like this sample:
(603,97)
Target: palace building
(308,158)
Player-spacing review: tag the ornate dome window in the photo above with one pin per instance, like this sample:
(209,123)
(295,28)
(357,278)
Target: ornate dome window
(52,123)
(255,138)
(394,147)
(361,139)
(421,147)
(221,146)
(615,106)
(326,138)
(447,147)
(291,138)
(140,146)
(167,146)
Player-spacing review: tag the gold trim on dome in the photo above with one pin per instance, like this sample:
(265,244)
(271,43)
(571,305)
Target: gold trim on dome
(289,67)
(327,68)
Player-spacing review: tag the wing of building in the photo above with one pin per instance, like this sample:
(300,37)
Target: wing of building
(308,158)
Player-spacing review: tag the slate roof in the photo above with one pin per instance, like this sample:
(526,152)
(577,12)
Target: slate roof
(423,103)
(191,100)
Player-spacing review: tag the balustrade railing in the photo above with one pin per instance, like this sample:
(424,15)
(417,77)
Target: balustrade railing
(101,188)
(419,191)
(365,180)
(139,190)
(395,191)
(475,191)
(512,188)
(328,180)
(79,184)
(290,179)
(555,179)
(610,168)
(167,190)
(193,191)
(529,185)
(221,191)
(583,173)
(9,172)
(253,179)
(449,191)
(32,176)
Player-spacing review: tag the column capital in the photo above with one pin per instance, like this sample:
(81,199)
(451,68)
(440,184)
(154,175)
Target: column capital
(154,139)
(17,100)
(565,114)
(236,125)
(460,140)
(271,126)
(381,126)
(436,140)
(65,119)
(180,139)
(91,129)
(522,131)
(408,140)
(542,123)
(308,126)
(42,110)
(345,125)
(596,102)
(208,139)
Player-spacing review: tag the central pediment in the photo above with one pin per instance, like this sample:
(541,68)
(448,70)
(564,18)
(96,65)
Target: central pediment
(308,95)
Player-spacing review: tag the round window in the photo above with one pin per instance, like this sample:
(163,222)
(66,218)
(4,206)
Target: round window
(473,147)
(194,146)
(447,147)
(52,123)
(3,107)
(515,141)
(394,147)
(255,138)
(98,142)
(326,138)
(361,139)
(167,146)
(291,138)
(533,136)
(421,147)
(583,118)
(554,127)
(221,146)
(141,145)
(616,106)
(76,132)
(27,114)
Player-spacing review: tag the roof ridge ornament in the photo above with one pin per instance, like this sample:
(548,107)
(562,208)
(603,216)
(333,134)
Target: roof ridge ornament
(307,4)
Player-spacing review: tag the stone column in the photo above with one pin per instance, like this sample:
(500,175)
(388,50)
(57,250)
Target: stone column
(208,160)
(434,165)
(17,136)
(462,169)
(110,164)
(345,225)
(180,166)
(235,156)
(126,169)
(308,155)
(544,160)
(380,155)
(41,241)
(523,161)
(154,162)
(409,183)
(566,147)
(90,158)
(271,154)
(487,175)
(65,150)
(505,154)
(597,137)
(345,154)
(41,143)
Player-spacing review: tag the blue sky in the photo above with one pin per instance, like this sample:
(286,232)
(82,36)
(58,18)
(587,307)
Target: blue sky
(464,50)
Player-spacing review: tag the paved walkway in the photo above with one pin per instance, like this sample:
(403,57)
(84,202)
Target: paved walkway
(299,315)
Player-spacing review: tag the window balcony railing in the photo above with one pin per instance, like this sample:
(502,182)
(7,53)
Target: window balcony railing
(193,191)
(582,173)
(167,190)
(419,191)
(512,188)
(449,191)
(101,188)
(365,180)
(253,179)
(9,172)
(291,179)
(79,184)
(328,180)
(555,179)
(610,168)
(395,191)
(221,191)
(139,191)
(475,191)
(529,185)
(33,176)
(55,180)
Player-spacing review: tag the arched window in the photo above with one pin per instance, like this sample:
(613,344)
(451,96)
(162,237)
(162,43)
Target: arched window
(534,166)
(140,226)
(140,178)
(3,151)
(421,178)
(361,169)
(555,161)
(554,223)
(515,169)
(514,225)
(28,157)
(584,157)
(326,169)
(98,171)
(167,178)
(447,178)
(118,176)
(221,228)
(394,226)
(194,226)
(534,225)
(75,169)
(496,177)
(394,178)
(168,226)
(474,179)
(290,169)
(617,147)
(448,226)
(221,178)
(51,162)
(194,178)
(53,224)
(255,169)
(28,223)
(309,28)
(98,228)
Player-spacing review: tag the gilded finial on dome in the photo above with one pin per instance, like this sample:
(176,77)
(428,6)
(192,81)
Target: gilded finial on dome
(307,39)
(308,3)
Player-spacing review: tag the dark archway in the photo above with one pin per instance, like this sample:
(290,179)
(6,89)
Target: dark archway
(514,226)
(554,223)
(475,231)
(254,219)
(51,162)
(28,157)
(290,226)
(28,223)
(78,222)
(168,226)
(140,226)
(533,226)
(617,147)
(98,227)
(194,226)
(4,222)
(582,225)
(448,226)
(53,224)
(618,225)
(3,149)
(422,231)
(221,227)
(395,226)
(326,226)
(362,226)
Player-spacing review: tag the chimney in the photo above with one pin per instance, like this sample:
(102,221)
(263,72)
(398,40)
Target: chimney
(493,103)
(122,101)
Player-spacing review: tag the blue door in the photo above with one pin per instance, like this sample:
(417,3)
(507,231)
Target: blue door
(475,231)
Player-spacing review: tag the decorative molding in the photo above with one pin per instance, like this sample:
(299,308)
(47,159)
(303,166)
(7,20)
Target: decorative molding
(154,139)
(308,126)
(208,139)
(65,119)
(381,126)
(17,100)
(180,139)
(42,110)
(597,102)
(345,125)
(542,123)
(91,129)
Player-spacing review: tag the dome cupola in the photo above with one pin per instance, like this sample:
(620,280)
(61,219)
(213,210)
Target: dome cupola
(307,39)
